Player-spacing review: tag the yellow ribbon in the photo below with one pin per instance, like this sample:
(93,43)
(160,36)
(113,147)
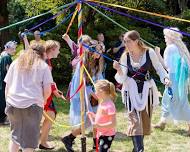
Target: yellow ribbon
(88,75)
(72,19)
(57,124)
(141,11)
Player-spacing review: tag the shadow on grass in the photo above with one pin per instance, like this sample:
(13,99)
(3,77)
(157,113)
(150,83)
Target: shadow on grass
(55,150)
(53,138)
(181,132)
(118,137)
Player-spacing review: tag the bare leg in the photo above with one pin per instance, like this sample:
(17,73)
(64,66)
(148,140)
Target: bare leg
(13,147)
(188,131)
(76,132)
(162,124)
(46,129)
(94,139)
(28,150)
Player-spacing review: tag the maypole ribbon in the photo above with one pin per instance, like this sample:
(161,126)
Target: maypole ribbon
(72,19)
(139,19)
(88,75)
(34,17)
(121,26)
(141,11)
(57,124)
(110,59)
(51,18)
(62,22)
(49,30)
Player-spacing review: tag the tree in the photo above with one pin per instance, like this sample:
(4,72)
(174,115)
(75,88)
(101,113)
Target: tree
(3,22)
(182,4)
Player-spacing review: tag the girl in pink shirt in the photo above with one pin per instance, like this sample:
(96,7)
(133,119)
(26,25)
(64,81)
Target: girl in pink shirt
(105,118)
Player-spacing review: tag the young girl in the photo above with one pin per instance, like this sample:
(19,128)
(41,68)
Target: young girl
(52,51)
(95,69)
(105,118)
(75,113)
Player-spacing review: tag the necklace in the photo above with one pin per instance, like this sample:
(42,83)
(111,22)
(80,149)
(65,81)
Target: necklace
(133,58)
(135,64)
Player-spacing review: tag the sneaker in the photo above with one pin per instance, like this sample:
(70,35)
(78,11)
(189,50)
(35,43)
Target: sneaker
(68,143)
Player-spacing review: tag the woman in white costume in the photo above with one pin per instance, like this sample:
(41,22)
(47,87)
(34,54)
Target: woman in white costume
(177,62)
(139,91)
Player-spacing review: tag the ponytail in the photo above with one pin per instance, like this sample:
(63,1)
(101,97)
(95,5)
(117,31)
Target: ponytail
(107,87)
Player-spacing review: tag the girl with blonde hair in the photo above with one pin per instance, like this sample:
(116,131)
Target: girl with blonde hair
(105,118)
(177,62)
(52,51)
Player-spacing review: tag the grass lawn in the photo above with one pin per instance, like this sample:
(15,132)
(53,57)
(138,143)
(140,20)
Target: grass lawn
(172,139)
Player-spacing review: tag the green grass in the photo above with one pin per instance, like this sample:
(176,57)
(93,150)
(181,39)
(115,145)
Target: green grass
(172,139)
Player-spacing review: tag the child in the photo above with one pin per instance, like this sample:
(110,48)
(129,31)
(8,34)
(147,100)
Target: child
(52,51)
(105,119)
(75,113)
(95,69)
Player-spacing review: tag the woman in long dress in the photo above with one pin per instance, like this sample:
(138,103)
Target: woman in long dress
(177,62)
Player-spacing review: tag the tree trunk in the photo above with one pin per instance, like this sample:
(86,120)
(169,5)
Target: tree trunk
(173,4)
(3,22)
(182,4)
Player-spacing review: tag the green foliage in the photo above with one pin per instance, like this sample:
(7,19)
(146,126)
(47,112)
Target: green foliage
(94,23)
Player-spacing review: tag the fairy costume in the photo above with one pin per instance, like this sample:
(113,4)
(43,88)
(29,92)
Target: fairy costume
(178,107)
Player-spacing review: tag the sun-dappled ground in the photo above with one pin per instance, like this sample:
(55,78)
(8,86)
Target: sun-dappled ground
(172,139)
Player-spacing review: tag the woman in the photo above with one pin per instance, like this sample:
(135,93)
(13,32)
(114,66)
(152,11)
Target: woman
(28,85)
(177,62)
(139,91)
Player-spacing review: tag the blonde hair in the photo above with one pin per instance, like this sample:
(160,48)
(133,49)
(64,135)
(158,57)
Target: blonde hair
(176,37)
(50,44)
(107,87)
(86,39)
(31,57)
(134,35)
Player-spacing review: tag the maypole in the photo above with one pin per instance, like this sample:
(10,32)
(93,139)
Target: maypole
(83,138)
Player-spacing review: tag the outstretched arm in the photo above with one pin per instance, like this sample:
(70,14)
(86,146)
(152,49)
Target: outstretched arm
(157,50)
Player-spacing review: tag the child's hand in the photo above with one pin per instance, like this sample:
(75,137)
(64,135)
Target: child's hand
(91,114)
(167,82)
(65,37)
(157,50)
(116,65)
